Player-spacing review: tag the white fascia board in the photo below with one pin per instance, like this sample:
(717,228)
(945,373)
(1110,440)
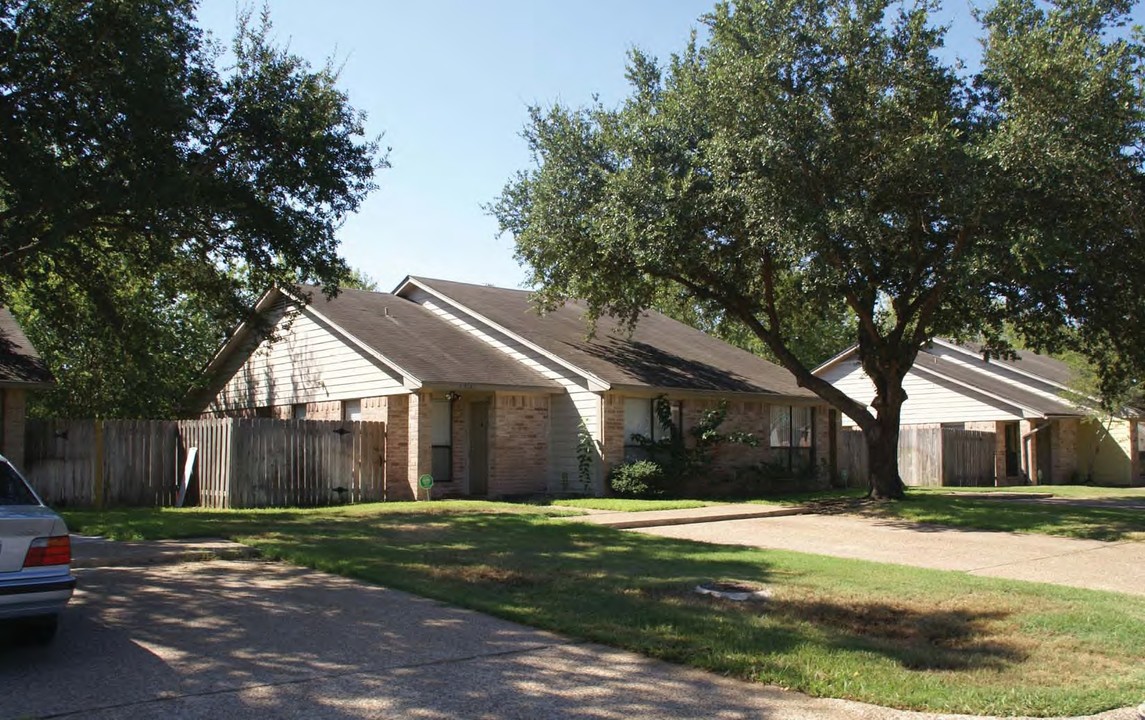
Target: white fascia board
(595,383)
(239,335)
(838,358)
(1024,373)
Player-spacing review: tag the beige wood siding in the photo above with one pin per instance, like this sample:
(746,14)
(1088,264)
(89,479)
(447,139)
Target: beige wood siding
(566,413)
(929,399)
(309,362)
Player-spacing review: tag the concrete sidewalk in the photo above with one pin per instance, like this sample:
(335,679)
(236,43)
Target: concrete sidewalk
(710,513)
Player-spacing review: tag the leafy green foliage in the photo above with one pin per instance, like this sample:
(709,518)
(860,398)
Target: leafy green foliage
(147,193)
(639,479)
(815,155)
(680,460)
(586,453)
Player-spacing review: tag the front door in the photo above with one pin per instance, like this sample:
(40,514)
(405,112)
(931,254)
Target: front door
(479,448)
(1044,441)
(1013,448)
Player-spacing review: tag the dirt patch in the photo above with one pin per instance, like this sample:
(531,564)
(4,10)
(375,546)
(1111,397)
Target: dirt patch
(919,638)
(483,575)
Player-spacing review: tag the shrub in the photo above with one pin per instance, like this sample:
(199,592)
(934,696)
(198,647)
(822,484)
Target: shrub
(640,479)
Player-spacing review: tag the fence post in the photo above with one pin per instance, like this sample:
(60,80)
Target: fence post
(99,486)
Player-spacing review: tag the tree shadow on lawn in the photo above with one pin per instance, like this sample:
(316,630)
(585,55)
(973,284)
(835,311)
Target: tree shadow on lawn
(635,591)
(933,514)
(916,639)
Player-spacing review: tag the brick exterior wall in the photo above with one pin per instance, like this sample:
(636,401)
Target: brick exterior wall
(375,409)
(460,446)
(397,448)
(12,432)
(612,432)
(420,439)
(328,410)
(518,444)
(730,461)
(1063,455)
(751,416)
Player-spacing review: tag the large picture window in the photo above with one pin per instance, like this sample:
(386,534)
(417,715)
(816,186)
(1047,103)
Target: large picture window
(640,419)
(792,432)
(441,438)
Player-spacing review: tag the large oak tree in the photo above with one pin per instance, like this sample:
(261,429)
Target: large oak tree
(808,155)
(150,183)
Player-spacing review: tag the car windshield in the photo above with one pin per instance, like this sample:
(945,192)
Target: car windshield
(13,490)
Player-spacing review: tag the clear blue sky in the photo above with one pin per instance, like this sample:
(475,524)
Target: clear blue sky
(448,83)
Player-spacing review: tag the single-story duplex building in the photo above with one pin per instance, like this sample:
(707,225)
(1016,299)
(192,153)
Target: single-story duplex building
(493,399)
(1044,431)
(21,369)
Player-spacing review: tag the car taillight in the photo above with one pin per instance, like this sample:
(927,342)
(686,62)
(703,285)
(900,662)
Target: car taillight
(49,551)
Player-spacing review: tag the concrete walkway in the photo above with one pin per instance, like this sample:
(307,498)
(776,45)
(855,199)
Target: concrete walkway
(1092,564)
(248,640)
(709,513)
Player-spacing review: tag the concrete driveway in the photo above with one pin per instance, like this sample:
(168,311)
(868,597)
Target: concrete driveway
(258,640)
(1093,564)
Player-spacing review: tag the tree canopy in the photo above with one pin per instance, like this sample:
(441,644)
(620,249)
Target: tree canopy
(811,155)
(151,185)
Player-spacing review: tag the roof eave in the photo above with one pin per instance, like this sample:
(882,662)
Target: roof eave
(595,382)
(1034,412)
(834,360)
(653,390)
(1019,370)
(27,384)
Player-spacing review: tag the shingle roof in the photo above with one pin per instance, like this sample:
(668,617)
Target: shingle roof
(660,353)
(1031,362)
(991,385)
(20,364)
(422,344)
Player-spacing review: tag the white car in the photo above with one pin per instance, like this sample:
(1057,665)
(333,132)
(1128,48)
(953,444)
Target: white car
(36,582)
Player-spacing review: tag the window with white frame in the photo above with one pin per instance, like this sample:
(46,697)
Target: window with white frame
(351,410)
(640,419)
(441,438)
(792,432)
(298,412)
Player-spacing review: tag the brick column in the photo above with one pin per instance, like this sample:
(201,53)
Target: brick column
(612,432)
(420,436)
(397,448)
(1063,454)
(1000,454)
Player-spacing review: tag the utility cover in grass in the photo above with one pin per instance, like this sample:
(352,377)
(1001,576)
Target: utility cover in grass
(735,591)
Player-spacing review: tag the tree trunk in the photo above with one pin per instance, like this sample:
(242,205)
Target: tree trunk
(883,460)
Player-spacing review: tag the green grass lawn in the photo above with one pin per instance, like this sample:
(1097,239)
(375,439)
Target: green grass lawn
(889,635)
(1076,492)
(936,506)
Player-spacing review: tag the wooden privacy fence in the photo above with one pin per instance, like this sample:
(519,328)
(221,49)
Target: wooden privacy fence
(927,456)
(234,462)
